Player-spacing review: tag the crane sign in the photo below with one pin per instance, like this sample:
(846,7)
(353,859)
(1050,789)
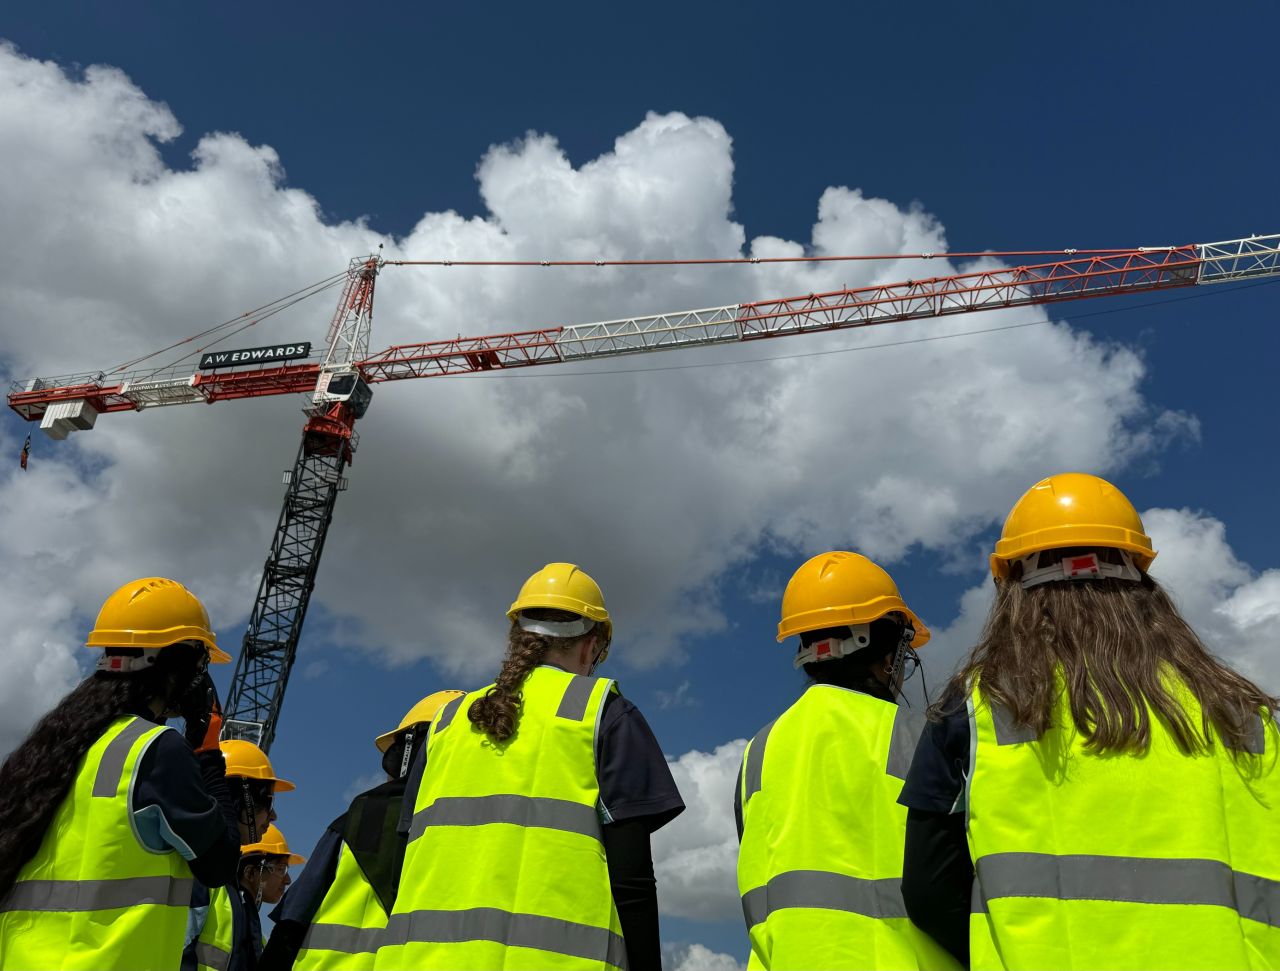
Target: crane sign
(340,385)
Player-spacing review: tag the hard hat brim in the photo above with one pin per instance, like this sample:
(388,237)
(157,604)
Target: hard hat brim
(847,615)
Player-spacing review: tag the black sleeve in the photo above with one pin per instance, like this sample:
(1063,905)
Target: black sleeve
(635,891)
(937,879)
(635,780)
(283,947)
(935,782)
(182,800)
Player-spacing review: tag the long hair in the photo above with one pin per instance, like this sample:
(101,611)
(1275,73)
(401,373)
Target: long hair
(39,773)
(1121,647)
(497,712)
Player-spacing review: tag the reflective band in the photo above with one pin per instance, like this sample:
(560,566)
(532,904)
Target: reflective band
(907,729)
(513,930)
(85,895)
(821,890)
(1127,879)
(111,766)
(754,769)
(343,937)
(446,714)
(1007,732)
(556,628)
(212,956)
(577,695)
(561,814)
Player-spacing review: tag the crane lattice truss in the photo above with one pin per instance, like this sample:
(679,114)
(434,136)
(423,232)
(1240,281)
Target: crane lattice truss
(338,382)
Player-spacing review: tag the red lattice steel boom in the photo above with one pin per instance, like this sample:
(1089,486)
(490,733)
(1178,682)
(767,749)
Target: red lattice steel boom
(1094,275)
(339,379)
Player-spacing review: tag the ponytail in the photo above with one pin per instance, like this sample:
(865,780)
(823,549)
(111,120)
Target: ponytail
(497,713)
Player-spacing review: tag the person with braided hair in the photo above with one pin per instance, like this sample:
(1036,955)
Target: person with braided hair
(529,827)
(107,816)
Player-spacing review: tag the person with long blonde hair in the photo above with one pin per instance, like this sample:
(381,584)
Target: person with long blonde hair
(1095,789)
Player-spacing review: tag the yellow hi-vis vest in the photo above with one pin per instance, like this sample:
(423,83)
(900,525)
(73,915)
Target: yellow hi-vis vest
(820,866)
(93,896)
(220,933)
(505,866)
(1159,860)
(345,933)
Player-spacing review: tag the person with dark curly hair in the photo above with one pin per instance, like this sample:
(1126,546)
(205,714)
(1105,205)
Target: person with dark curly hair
(1094,789)
(529,834)
(107,815)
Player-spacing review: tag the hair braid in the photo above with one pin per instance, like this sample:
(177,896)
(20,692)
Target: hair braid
(497,713)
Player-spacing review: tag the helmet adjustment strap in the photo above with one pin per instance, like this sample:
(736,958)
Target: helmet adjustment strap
(556,628)
(409,736)
(1085,566)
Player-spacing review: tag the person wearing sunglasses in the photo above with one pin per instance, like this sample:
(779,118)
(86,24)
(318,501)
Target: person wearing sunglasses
(107,815)
(529,834)
(217,912)
(230,936)
(821,831)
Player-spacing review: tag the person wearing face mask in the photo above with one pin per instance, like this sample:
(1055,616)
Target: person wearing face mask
(331,917)
(222,911)
(107,816)
(230,938)
(821,831)
(529,837)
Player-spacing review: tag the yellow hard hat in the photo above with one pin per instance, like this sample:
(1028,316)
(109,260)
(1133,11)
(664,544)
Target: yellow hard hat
(424,711)
(272,843)
(152,613)
(839,589)
(246,761)
(563,586)
(1071,509)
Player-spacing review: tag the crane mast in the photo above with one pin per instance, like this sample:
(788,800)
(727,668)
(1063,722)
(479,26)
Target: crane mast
(328,445)
(339,385)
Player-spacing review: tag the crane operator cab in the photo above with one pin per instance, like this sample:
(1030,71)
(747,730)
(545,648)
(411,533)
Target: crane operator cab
(348,386)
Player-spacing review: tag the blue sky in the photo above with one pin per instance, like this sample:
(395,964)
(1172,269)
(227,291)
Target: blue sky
(1014,126)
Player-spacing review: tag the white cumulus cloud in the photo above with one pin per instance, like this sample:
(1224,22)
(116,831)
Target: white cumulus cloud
(657,482)
(695,857)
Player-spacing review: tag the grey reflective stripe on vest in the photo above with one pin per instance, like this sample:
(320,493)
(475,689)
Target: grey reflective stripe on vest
(111,766)
(819,889)
(68,896)
(753,770)
(1127,879)
(446,714)
(907,728)
(577,695)
(1007,732)
(541,811)
(512,930)
(342,937)
(212,956)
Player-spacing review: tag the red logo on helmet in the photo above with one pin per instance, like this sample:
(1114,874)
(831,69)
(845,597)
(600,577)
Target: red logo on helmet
(1082,565)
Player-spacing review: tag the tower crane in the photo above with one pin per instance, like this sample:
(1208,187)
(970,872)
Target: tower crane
(340,382)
